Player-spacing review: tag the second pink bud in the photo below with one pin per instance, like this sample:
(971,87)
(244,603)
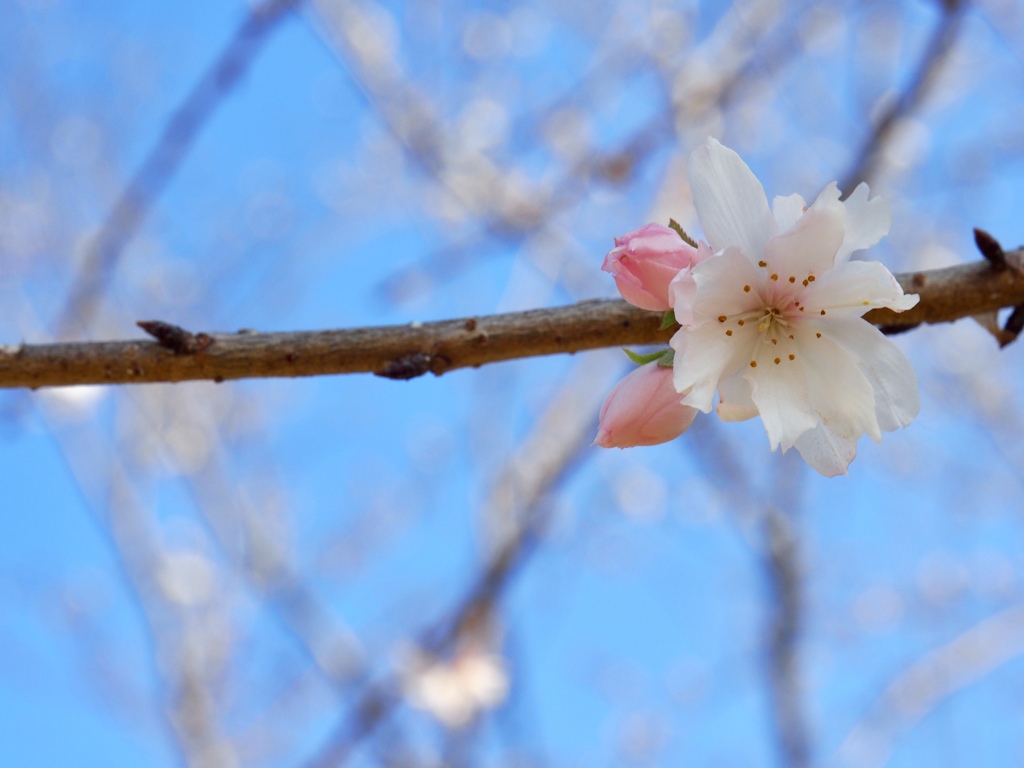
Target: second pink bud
(643,409)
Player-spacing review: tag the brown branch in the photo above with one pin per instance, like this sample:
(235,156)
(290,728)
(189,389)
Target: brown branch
(407,351)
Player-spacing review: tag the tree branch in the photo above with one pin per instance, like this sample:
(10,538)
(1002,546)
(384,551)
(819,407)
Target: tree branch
(407,351)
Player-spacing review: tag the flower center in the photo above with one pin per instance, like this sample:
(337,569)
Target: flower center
(776,319)
(771,316)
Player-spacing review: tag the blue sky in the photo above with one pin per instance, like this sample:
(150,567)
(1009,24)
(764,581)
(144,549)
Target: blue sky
(636,629)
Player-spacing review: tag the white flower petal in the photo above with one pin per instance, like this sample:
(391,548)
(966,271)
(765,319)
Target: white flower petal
(828,196)
(730,201)
(787,210)
(727,284)
(781,395)
(838,391)
(704,354)
(734,401)
(854,287)
(825,452)
(681,293)
(867,222)
(886,368)
(809,247)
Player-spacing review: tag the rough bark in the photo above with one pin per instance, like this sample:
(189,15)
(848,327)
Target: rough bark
(407,351)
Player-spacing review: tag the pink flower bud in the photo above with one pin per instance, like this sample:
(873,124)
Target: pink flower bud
(645,261)
(643,409)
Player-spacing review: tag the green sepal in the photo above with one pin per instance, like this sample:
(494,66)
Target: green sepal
(673,224)
(648,358)
(668,320)
(668,358)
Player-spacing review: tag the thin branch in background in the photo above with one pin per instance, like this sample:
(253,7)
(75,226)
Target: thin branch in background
(162,162)
(934,55)
(924,685)
(260,560)
(783,575)
(773,539)
(616,166)
(520,502)
(185,706)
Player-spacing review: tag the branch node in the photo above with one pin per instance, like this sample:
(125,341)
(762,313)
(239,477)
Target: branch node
(408,367)
(175,338)
(1014,325)
(990,249)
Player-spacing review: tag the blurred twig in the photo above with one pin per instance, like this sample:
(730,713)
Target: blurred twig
(179,133)
(184,652)
(782,566)
(518,503)
(934,55)
(924,685)
(772,534)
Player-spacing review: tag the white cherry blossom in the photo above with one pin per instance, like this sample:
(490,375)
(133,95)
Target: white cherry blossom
(773,321)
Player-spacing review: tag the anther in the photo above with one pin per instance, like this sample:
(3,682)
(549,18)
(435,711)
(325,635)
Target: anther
(792,357)
(775,341)
(818,335)
(742,322)
(729,333)
(778,360)
(753,363)
(823,311)
(762,263)
(810,278)
(792,279)
(722,318)
(775,276)
(746,288)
